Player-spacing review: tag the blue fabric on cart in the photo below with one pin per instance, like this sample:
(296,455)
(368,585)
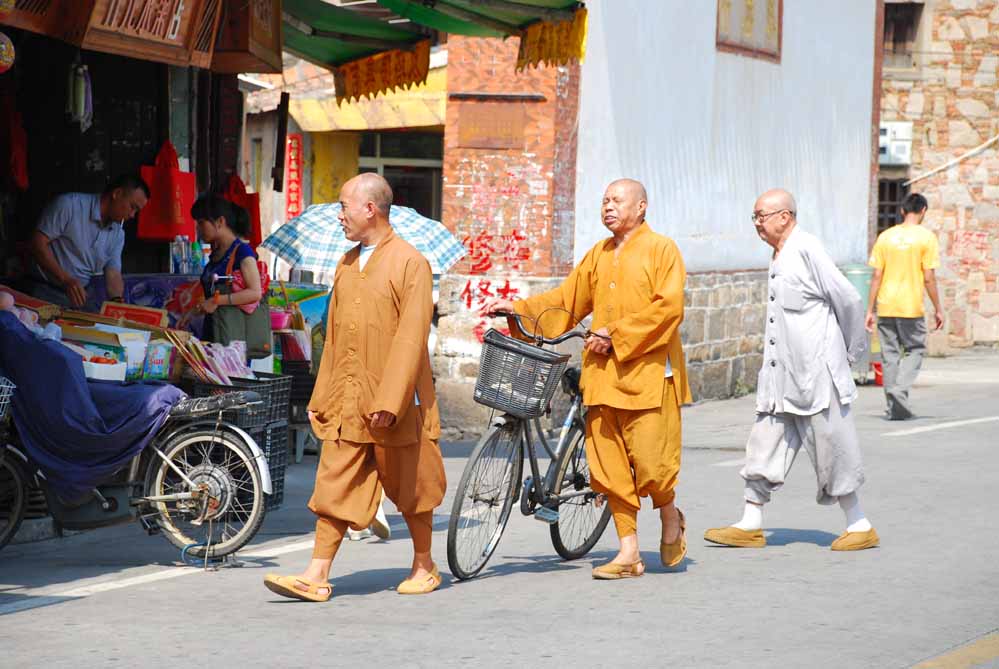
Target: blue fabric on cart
(78,432)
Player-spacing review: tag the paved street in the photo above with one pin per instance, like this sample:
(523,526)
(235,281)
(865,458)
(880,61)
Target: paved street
(116,598)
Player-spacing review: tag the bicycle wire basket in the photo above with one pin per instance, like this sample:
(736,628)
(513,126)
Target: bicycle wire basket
(6,390)
(517,377)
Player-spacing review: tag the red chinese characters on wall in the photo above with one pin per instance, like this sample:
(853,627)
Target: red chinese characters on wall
(293,165)
(478,293)
(486,251)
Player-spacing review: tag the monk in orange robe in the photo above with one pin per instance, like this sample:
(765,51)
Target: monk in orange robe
(634,375)
(374,405)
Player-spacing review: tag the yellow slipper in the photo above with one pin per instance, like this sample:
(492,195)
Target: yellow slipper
(421,586)
(673,554)
(735,537)
(613,571)
(297,587)
(856,541)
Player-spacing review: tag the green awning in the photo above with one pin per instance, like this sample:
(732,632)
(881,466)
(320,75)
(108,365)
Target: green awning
(483,18)
(328,35)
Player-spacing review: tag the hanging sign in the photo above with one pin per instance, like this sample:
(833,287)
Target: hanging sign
(293,170)
(367,77)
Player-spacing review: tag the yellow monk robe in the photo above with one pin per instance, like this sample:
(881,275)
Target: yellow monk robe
(633,417)
(376,359)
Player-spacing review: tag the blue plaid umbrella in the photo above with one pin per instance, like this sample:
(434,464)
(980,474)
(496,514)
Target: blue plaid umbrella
(315,241)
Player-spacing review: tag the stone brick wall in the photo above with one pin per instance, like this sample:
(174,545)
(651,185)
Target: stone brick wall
(951,98)
(722,332)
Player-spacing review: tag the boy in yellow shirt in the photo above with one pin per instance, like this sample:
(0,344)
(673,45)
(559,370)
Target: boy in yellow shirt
(904,259)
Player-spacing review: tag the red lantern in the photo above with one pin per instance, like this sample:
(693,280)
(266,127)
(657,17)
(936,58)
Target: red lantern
(6,53)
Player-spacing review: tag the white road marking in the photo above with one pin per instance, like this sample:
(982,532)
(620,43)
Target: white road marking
(738,462)
(940,426)
(36,597)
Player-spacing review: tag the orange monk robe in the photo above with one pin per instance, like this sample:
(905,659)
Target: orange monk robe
(633,417)
(375,359)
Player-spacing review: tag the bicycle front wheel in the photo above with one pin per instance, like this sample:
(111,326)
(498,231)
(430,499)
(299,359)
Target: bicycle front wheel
(484,499)
(231,507)
(581,521)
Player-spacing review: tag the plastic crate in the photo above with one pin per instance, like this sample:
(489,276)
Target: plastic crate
(273,441)
(249,418)
(302,381)
(280,389)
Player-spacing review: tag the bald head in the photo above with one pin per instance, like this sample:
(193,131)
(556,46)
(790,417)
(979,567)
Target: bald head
(635,188)
(775,200)
(774,216)
(373,188)
(623,209)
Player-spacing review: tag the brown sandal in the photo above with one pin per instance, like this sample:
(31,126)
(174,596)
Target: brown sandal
(613,571)
(421,587)
(673,554)
(291,587)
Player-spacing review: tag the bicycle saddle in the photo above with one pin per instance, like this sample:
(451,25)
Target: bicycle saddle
(570,380)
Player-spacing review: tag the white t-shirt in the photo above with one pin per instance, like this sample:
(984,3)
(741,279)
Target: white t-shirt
(366,252)
(669,368)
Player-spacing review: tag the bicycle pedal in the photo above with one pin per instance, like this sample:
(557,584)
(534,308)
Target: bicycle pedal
(546,515)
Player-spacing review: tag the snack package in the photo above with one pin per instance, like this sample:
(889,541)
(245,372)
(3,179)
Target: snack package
(160,359)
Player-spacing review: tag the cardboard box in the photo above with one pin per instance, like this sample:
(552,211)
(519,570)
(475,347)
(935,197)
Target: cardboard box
(124,345)
(132,312)
(103,372)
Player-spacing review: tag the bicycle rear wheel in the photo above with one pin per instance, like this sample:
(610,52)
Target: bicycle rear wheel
(484,499)
(13,495)
(580,521)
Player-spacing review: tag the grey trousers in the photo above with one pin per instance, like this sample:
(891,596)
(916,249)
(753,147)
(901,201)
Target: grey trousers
(830,439)
(903,344)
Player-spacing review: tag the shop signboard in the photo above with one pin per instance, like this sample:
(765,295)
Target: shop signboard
(293,167)
(250,37)
(178,32)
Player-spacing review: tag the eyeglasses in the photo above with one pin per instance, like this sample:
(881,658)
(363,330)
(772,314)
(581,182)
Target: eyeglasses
(760,216)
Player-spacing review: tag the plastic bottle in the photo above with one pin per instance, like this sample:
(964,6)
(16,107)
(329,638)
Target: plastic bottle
(196,256)
(185,251)
(176,256)
(206,255)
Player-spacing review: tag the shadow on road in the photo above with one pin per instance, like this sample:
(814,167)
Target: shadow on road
(782,536)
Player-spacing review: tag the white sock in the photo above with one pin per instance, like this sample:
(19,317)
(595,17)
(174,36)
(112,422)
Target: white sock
(856,521)
(752,517)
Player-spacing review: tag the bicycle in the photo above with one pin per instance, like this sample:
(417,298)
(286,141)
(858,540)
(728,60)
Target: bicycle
(519,379)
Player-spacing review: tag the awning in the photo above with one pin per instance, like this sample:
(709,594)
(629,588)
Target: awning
(551,31)
(367,56)
(314,107)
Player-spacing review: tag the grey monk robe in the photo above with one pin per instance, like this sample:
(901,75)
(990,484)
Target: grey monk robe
(814,330)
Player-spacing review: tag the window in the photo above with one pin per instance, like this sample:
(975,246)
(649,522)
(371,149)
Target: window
(411,162)
(891,192)
(750,28)
(901,26)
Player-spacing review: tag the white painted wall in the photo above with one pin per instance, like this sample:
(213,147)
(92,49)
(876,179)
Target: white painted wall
(708,131)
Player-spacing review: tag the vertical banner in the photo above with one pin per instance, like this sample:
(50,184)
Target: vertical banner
(293,169)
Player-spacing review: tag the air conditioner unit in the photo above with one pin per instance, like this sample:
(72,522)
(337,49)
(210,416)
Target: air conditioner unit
(895,143)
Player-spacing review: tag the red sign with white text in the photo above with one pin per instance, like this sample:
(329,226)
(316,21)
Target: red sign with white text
(293,169)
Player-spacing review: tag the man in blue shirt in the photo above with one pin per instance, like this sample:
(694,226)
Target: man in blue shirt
(80,236)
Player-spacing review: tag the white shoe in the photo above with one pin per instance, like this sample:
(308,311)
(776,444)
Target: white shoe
(380,524)
(357,535)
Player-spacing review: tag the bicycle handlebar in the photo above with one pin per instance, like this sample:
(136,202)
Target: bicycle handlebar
(571,334)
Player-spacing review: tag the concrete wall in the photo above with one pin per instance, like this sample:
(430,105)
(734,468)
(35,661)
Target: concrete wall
(951,98)
(708,131)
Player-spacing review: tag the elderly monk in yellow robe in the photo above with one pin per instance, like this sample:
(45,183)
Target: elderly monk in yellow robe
(374,405)
(634,376)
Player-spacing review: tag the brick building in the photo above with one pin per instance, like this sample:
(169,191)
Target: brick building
(527,157)
(938,110)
